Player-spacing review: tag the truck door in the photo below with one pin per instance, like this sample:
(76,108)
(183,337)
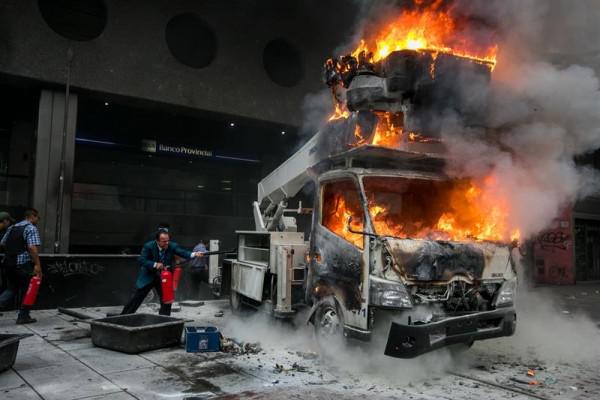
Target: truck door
(337,253)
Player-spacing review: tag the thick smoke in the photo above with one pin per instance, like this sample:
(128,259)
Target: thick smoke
(540,115)
(542,111)
(542,106)
(364,360)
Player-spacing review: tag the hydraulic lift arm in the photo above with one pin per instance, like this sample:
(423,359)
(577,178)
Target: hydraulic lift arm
(284,182)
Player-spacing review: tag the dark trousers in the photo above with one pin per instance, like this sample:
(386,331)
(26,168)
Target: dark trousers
(18,278)
(140,294)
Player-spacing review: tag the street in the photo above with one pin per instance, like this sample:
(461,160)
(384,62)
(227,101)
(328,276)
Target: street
(60,362)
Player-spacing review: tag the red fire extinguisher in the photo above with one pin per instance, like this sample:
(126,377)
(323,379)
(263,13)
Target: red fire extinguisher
(176,277)
(32,291)
(166,279)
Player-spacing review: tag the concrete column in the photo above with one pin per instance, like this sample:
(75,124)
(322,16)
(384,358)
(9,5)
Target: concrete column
(46,182)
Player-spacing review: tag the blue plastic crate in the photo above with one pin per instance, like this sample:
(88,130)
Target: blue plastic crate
(202,339)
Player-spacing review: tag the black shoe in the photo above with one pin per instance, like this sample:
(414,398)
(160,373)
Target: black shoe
(26,320)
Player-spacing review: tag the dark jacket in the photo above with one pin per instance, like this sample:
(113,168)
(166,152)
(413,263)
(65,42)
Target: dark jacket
(150,255)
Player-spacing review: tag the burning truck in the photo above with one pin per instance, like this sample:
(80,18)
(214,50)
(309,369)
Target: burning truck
(393,239)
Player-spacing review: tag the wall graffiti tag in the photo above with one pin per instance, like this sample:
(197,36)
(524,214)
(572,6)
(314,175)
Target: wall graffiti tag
(74,267)
(553,252)
(554,239)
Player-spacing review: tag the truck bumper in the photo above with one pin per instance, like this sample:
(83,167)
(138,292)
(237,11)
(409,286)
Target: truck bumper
(407,341)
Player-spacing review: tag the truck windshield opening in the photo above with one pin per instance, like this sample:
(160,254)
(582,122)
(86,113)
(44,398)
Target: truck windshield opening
(430,209)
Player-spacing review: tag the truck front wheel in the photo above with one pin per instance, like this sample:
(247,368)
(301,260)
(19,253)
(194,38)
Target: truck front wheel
(328,322)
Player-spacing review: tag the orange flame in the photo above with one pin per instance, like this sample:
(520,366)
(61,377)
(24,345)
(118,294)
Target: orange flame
(340,112)
(389,132)
(420,209)
(431,29)
(459,211)
(336,215)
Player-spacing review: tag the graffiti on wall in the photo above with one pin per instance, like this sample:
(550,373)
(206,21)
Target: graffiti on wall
(553,252)
(74,267)
(554,239)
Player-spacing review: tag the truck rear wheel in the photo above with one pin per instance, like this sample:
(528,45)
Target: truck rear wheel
(235,301)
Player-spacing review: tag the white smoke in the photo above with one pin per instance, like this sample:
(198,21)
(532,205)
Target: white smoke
(316,109)
(540,115)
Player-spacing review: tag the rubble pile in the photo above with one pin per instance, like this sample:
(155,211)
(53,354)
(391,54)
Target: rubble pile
(232,346)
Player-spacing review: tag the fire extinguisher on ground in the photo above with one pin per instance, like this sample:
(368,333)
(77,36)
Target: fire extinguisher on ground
(166,281)
(32,291)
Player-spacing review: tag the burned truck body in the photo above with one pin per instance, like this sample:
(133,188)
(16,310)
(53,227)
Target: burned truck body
(375,250)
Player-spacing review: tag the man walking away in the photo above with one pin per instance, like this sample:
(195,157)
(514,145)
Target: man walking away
(156,255)
(21,244)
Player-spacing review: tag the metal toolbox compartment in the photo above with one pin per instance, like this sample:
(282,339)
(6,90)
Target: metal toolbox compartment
(136,333)
(9,344)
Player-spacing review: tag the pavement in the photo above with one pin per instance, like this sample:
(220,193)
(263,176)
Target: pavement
(557,341)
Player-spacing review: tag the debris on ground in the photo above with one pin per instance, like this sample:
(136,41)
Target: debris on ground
(531,382)
(294,368)
(299,368)
(219,314)
(530,372)
(191,303)
(307,355)
(329,382)
(73,334)
(152,306)
(233,346)
(175,307)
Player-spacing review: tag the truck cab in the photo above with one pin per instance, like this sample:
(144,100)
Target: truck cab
(373,258)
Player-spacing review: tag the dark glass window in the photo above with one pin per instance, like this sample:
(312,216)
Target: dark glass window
(80,20)
(191,40)
(283,63)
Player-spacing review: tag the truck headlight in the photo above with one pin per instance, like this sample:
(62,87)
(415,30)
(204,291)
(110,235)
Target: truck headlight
(506,294)
(388,294)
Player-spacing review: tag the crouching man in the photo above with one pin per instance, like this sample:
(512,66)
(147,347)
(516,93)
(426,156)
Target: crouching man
(156,255)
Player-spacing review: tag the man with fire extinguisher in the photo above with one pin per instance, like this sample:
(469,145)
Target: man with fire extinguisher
(21,247)
(156,260)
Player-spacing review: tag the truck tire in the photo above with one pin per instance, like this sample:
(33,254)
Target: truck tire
(328,322)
